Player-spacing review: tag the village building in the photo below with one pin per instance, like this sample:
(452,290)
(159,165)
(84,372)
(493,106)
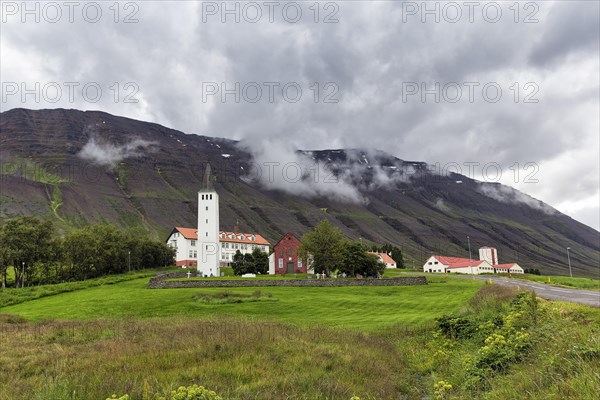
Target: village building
(487,264)
(386,259)
(446,264)
(512,268)
(185,242)
(284,259)
(231,242)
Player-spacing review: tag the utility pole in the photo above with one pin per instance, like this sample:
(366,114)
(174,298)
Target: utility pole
(569,259)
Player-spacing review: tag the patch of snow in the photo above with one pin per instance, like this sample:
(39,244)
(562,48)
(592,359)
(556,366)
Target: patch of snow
(458,181)
(226,156)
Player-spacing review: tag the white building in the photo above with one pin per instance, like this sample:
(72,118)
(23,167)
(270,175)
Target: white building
(445,264)
(487,264)
(386,259)
(512,268)
(231,242)
(185,242)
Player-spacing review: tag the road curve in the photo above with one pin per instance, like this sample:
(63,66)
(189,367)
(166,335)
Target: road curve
(550,292)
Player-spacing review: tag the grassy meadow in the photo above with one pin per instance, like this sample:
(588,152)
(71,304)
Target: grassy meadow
(317,343)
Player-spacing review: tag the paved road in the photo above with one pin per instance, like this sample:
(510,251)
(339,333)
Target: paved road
(550,292)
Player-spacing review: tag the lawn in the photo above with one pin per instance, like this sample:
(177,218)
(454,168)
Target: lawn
(13,296)
(565,281)
(359,308)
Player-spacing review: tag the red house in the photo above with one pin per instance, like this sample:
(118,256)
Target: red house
(284,259)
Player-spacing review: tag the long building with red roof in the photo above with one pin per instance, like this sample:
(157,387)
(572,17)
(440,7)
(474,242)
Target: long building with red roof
(487,264)
(185,242)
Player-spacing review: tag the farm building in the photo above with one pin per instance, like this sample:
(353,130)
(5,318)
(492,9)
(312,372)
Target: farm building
(185,241)
(487,264)
(512,268)
(284,259)
(446,264)
(386,259)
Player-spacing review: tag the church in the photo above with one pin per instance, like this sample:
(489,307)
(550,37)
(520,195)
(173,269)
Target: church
(207,248)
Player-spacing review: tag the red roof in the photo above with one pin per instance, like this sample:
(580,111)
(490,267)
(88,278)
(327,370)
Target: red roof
(242,238)
(188,233)
(505,266)
(457,262)
(192,234)
(384,257)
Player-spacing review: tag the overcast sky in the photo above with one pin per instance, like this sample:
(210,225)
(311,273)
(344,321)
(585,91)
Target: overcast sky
(362,68)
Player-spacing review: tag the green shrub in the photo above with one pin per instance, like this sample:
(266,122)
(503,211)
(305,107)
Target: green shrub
(455,327)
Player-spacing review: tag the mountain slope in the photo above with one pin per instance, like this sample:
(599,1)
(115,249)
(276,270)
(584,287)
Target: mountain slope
(150,175)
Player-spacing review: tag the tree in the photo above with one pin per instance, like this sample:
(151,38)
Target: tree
(39,256)
(358,261)
(80,255)
(240,263)
(323,248)
(25,241)
(261,261)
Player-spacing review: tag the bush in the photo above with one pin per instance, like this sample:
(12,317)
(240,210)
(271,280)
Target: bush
(455,327)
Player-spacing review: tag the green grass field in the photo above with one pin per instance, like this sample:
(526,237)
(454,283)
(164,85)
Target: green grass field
(359,308)
(13,296)
(565,281)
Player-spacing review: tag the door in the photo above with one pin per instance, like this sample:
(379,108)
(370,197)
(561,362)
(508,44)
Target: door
(290,268)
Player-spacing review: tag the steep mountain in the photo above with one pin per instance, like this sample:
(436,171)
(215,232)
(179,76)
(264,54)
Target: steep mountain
(82,167)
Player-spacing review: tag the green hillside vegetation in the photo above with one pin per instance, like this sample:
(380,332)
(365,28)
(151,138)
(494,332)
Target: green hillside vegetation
(497,344)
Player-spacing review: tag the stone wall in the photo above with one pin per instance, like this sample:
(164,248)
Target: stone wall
(161,282)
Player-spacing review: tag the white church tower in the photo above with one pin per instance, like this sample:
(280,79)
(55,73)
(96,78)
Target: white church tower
(208,228)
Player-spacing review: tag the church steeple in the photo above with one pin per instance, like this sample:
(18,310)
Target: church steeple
(207,180)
